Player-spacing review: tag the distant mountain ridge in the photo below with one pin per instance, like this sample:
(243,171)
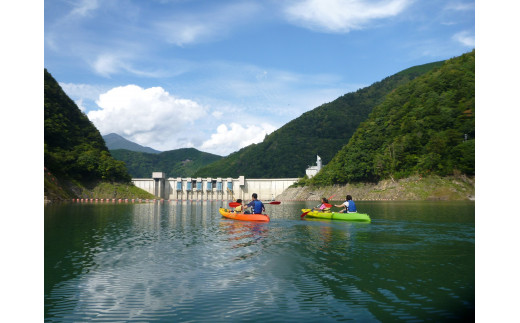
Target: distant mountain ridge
(115,141)
(182,162)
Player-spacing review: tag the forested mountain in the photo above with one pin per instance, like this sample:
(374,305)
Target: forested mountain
(115,141)
(175,163)
(426,126)
(74,148)
(288,151)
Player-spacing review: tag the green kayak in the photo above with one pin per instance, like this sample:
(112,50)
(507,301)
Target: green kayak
(358,217)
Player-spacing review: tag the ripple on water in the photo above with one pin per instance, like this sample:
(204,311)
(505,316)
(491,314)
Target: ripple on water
(178,263)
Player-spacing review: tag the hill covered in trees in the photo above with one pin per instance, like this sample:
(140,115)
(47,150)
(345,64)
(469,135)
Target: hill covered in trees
(73,146)
(175,163)
(75,154)
(288,151)
(426,126)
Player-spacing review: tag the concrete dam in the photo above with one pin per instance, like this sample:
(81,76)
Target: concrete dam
(202,189)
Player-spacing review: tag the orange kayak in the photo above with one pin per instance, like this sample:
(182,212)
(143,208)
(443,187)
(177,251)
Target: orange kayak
(244,217)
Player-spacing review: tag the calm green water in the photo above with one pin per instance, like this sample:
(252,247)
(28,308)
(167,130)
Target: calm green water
(175,262)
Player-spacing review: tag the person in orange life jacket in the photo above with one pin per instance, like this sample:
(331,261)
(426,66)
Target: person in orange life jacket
(349,205)
(322,206)
(256,206)
(240,208)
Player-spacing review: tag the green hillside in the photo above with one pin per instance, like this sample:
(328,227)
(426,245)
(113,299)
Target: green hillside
(424,127)
(288,151)
(76,161)
(175,163)
(74,147)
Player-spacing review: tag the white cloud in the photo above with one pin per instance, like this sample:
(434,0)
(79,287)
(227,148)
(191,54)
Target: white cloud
(227,139)
(83,7)
(82,91)
(217,114)
(465,38)
(187,33)
(150,117)
(213,24)
(84,95)
(80,105)
(460,6)
(110,64)
(107,64)
(342,16)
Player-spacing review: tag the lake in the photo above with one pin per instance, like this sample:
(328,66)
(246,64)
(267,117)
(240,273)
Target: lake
(183,262)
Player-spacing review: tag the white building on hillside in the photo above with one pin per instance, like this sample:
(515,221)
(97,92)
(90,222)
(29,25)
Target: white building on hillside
(313,170)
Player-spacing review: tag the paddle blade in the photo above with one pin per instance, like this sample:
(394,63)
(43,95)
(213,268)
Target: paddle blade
(234,204)
(275,202)
(304,214)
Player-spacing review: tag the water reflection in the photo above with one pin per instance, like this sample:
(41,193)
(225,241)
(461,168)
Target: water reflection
(181,261)
(243,235)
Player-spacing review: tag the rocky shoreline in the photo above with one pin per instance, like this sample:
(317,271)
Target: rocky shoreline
(411,188)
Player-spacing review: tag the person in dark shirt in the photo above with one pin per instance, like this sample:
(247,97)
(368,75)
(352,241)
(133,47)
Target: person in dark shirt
(257,207)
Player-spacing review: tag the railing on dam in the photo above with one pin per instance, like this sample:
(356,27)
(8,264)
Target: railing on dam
(188,188)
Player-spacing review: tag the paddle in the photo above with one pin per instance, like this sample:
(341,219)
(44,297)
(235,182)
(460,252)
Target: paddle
(304,213)
(327,205)
(235,204)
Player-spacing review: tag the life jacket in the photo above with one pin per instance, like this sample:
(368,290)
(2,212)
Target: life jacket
(258,207)
(351,206)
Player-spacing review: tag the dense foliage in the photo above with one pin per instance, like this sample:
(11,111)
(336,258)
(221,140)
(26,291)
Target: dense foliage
(74,147)
(288,151)
(175,163)
(426,126)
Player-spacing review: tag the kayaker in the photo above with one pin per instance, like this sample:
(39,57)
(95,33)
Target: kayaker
(240,208)
(322,206)
(256,205)
(348,206)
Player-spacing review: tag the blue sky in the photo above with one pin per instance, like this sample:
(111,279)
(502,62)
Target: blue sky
(219,75)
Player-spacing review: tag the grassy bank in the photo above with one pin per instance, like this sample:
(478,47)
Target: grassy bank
(56,189)
(411,188)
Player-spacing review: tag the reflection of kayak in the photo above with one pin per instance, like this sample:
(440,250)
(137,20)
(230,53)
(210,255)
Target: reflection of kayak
(360,217)
(244,217)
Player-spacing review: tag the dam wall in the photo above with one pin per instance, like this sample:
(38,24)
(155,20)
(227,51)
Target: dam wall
(188,188)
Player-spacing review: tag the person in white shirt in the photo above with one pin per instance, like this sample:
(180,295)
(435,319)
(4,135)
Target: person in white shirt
(348,206)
